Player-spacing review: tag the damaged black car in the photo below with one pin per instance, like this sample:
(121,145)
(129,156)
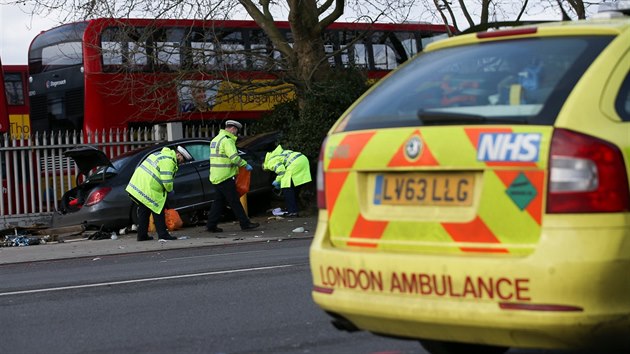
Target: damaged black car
(100,202)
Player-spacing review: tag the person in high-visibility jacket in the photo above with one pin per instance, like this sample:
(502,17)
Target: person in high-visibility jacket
(292,171)
(224,164)
(148,188)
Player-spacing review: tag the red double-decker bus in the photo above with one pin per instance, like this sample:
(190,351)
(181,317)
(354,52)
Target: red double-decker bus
(16,90)
(117,73)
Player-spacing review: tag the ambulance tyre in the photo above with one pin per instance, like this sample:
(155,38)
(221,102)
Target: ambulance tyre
(443,347)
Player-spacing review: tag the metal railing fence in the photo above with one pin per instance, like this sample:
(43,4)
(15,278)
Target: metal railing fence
(35,174)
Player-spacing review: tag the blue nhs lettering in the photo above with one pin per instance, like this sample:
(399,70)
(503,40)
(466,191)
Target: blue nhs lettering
(518,147)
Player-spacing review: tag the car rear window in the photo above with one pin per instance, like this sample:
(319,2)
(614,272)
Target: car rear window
(523,81)
(105,172)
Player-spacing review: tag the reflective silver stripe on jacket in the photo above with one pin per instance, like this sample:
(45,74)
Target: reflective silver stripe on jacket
(146,197)
(150,173)
(287,163)
(168,174)
(216,145)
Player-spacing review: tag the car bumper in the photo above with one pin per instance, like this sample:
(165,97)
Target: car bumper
(557,297)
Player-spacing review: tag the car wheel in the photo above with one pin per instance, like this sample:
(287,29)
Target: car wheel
(444,347)
(191,219)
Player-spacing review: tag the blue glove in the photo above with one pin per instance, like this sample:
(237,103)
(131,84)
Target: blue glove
(276,184)
(249,167)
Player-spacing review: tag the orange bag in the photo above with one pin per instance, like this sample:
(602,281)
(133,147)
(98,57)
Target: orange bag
(172,219)
(242,181)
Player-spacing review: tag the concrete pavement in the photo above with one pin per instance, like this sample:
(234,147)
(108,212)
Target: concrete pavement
(272,229)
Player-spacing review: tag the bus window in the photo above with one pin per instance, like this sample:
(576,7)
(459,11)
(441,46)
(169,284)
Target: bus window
(60,48)
(389,52)
(353,50)
(202,49)
(62,55)
(112,53)
(408,42)
(232,53)
(124,46)
(4,112)
(138,57)
(14,89)
(167,49)
(264,57)
(330,45)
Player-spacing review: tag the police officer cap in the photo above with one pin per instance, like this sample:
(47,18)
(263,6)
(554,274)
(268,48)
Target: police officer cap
(234,124)
(184,153)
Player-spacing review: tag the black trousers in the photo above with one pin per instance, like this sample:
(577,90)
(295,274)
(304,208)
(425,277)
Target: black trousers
(159,220)
(226,192)
(290,198)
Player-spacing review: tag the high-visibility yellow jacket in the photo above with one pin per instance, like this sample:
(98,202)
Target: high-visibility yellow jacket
(288,166)
(153,179)
(224,159)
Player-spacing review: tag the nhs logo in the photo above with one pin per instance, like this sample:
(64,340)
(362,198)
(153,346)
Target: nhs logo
(508,147)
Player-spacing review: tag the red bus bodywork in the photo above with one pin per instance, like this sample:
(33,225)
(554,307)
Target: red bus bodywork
(4,110)
(16,81)
(119,99)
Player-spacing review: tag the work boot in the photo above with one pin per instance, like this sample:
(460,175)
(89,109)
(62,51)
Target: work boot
(168,237)
(215,229)
(148,238)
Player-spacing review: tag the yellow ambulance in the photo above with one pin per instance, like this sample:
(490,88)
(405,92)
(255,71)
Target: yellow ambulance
(477,199)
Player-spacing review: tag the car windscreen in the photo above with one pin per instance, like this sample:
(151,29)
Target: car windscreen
(523,81)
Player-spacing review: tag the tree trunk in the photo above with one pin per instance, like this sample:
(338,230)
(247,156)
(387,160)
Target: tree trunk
(311,65)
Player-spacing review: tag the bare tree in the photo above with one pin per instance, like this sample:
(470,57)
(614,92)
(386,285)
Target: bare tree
(484,14)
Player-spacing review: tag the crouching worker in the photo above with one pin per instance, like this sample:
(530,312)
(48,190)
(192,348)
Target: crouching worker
(148,188)
(292,170)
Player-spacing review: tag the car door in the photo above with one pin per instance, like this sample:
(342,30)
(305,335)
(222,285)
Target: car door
(191,185)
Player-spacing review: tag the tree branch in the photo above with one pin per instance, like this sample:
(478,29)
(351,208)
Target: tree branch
(325,6)
(520,14)
(334,15)
(466,13)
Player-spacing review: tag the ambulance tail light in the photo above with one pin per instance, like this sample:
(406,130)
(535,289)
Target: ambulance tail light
(587,175)
(321,195)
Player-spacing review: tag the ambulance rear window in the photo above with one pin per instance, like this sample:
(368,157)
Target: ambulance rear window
(522,81)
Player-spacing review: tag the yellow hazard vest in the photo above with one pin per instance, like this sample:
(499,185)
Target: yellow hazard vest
(153,179)
(288,166)
(224,159)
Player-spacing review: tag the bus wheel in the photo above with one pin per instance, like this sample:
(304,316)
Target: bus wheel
(443,347)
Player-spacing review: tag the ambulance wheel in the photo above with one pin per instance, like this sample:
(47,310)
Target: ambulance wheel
(443,347)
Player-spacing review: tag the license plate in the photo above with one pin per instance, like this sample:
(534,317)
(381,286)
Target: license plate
(424,189)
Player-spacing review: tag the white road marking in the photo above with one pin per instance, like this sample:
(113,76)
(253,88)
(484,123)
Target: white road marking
(144,280)
(213,255)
